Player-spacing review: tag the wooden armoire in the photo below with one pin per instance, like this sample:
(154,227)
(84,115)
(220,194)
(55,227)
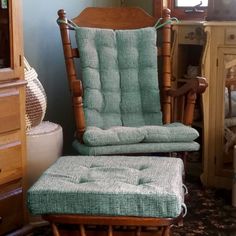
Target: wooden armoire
(12,118)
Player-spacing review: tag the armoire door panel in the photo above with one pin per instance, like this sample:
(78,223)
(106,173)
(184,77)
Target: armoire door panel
(11,209)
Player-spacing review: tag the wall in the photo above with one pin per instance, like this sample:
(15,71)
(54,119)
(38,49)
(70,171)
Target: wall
(43,50)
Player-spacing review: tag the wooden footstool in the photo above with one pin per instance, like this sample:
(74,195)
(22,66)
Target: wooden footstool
(112,191)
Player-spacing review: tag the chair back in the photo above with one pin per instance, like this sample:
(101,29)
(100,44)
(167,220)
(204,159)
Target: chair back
(118,19)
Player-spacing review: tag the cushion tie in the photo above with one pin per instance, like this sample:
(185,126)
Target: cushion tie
(185,210)
(158,24)
(68,22)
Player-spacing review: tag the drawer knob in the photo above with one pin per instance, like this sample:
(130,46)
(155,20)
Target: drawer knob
(232,36)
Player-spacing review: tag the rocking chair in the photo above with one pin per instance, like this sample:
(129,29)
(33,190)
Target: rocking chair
(118,104)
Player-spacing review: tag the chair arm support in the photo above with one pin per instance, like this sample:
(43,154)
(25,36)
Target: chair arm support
(187,95)
(77,93)
(195,85)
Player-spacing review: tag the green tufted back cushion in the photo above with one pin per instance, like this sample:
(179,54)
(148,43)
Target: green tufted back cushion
(119,70)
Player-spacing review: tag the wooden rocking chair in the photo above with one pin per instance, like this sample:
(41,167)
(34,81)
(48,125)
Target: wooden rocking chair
(56,196)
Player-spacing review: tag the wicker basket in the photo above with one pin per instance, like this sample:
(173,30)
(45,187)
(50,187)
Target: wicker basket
(36,100)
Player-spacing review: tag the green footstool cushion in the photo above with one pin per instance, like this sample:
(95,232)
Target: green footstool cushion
(143,186)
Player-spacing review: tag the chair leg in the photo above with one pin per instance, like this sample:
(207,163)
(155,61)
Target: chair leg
(55,230)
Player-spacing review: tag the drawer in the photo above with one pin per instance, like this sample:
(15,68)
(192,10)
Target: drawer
(10,162)
(11,208)
(191,35)
(230,35)
(10,137)
(9,110)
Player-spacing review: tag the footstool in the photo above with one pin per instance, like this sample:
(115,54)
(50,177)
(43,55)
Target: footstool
(110,190)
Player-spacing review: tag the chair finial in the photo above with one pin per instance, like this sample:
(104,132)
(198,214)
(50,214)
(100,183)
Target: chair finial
(61,13)
(166,12)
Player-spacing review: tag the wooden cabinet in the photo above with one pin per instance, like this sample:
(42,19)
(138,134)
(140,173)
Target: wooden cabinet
(210,49)
(12,119)
(219,67)
(188,44)
(187,49)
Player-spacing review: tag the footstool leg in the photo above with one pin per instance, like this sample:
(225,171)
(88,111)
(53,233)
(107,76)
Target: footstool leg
(166,231)
(138,232)
(82,230)
(55,230)
(110,233)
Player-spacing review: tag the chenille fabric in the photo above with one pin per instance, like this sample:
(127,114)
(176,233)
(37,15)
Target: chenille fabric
(119,70)
(121,95)
(141,186)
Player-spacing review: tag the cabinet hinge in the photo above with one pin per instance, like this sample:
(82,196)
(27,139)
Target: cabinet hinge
(217,62)
(20,60)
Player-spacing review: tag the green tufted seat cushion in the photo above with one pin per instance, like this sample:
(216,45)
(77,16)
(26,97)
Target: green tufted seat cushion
(119,186)
(120,135)
(135,148)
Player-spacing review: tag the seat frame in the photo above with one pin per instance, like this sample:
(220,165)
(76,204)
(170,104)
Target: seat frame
(138,225)
(181,109)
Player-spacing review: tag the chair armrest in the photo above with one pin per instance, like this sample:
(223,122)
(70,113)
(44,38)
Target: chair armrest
(196,85)
(186,97)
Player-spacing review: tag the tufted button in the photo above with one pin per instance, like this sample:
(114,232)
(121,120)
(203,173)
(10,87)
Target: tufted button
(143,181)
(143,167)
(95,166)
(84,180)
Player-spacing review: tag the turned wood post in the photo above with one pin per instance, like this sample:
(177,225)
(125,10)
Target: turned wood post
(55,230)
(82,230)
(75,85)
(189,109)
(166,68)
(166,231)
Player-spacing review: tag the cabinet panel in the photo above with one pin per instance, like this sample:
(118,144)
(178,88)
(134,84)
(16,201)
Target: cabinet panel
(226,122)
(191,35)
(219,67)
(187,49)
(10,162)
(9,110)
(11,209)
(230,36)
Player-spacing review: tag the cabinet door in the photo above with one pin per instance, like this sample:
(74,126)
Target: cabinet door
(10,40)
(225,110)
(11,208)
